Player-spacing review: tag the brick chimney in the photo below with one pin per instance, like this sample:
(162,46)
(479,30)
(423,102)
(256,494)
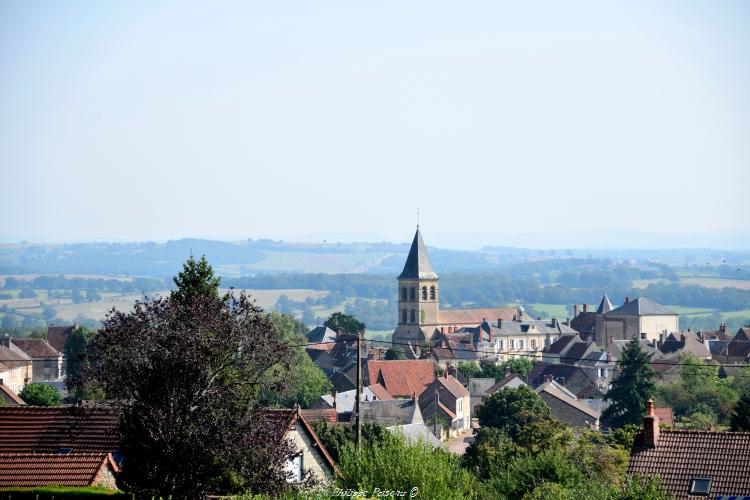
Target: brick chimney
(499,322)
(585,308)
(627,299)
(6,340)
(575,309)
(414,397)
(334,399)
(650,426)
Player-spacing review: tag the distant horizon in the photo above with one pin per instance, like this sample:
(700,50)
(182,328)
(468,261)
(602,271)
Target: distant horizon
(720,240)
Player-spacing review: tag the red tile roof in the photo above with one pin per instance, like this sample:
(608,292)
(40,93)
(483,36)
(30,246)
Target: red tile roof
(679,456)
(37,469)
(36,348)
(10,395)
(475,316)
(320,415)
(58,335)
(46,430)
(665,416)
(380,392)
(402,378)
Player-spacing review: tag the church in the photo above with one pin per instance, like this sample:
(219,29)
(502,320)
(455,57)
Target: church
(420,320)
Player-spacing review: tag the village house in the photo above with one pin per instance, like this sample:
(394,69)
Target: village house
(46,361)
(8,397)
(16,367)
(400,378)
(566,407)
(392,412)
(692,464)
(343,402)
(639,318)
(57,336)
(311,458)
(448,401)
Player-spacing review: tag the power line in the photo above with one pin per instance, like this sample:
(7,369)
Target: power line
(535,356)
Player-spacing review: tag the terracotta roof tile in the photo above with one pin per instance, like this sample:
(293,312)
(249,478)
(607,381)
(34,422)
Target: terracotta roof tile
(37,469)
(58,335)
(402,378)
(320,415)
(380,392)
(475,316)
(46,430)
(680,456)
(36,348)
(454,386)
(665,416)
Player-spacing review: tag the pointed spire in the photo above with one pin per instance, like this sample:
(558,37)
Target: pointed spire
(605,305)
(418,264)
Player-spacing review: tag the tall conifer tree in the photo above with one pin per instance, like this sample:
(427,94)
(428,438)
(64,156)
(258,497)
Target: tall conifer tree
(632,387)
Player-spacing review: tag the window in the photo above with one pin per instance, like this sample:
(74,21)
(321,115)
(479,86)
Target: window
(500,344)
(413,294)
(532,343)
(520,344)
(700,486)
(293,468)
(403,293)
(413,315)
(424,293)
(404,315)
(432,293)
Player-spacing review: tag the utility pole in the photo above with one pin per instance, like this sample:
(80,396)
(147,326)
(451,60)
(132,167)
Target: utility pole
(435,402)
(358,397)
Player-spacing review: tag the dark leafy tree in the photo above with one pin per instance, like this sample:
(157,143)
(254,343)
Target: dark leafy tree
(511,410)
(195,280)
(632,388)
(741,415)
(36,394)
(186,372)
(343,323)
(395,352)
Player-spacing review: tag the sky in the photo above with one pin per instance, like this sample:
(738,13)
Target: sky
(522,123)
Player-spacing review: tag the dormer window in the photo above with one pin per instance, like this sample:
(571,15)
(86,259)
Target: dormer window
(700,486)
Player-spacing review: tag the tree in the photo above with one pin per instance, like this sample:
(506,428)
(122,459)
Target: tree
(395,352)
(195,280)
(470,369)
(632,387)
(299,381)
(9,321)
(343,323)
(76,349)
(510,410)
(27,293)
(741,415)
(48,313)
(185,373)
(520,366)
(37,394)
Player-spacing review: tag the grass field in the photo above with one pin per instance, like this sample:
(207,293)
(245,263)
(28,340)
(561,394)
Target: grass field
(716,282)
(689,311)
(552,310)
(317,262)
(67,310)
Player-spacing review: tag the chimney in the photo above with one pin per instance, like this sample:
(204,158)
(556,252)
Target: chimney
(723,327)
(414,397)
(627,299)
(650,426)
(585,308)
(660,342)
(567,321)
(609,357)
(682,337)
(334,399)
(499,322)
(575,309)
(6,340)
(643,335)
(554,322)
(562,381)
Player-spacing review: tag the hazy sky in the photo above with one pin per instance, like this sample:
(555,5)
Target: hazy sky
(156,120)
